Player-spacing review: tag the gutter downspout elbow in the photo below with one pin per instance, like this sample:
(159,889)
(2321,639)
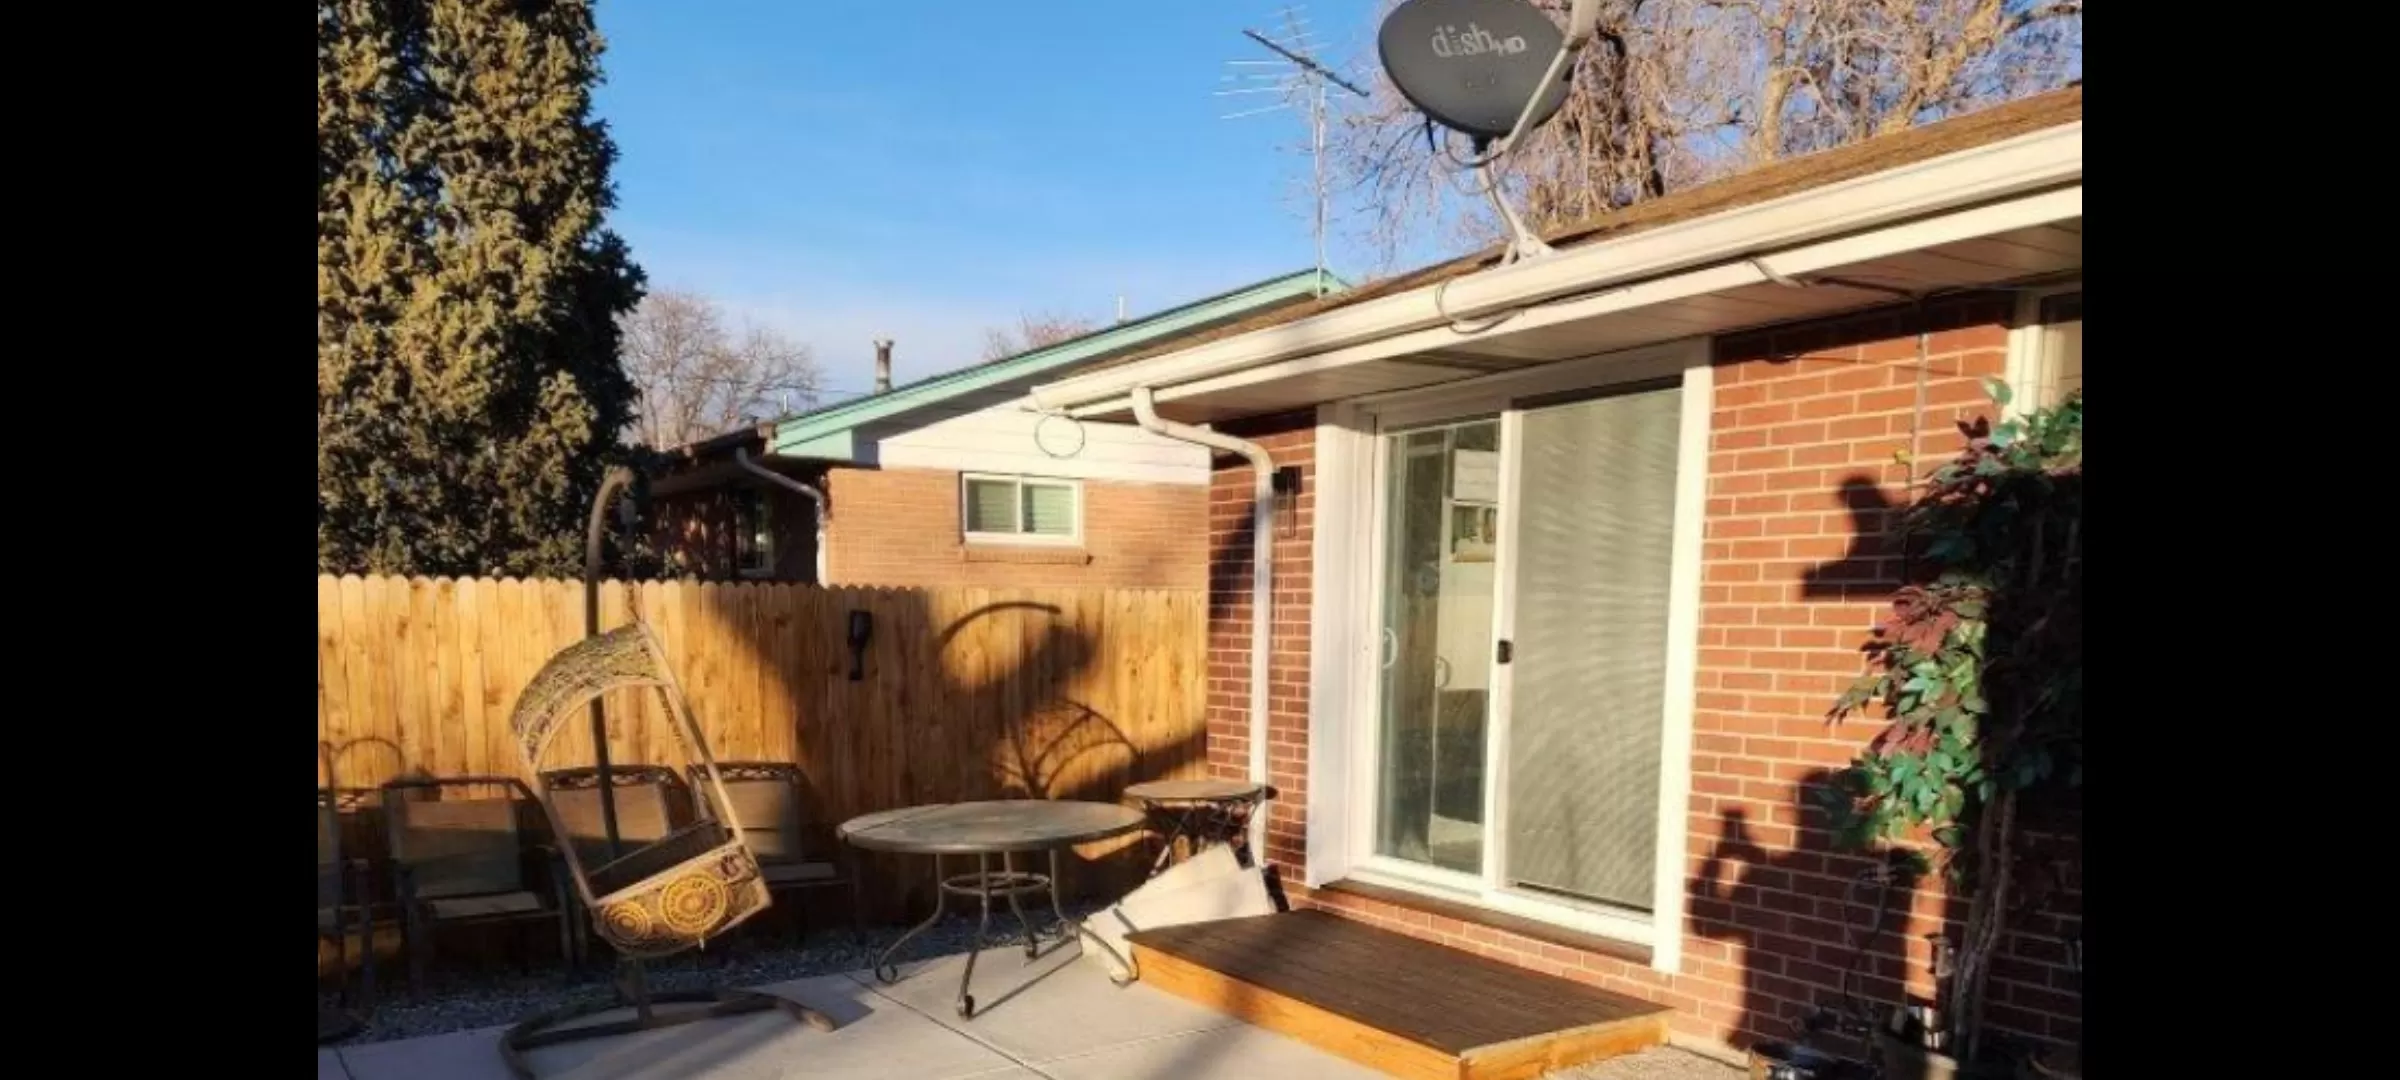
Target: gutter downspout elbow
(1262,583)
(741,457)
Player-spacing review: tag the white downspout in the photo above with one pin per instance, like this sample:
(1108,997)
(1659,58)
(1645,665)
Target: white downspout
(1262,583)
(741,457)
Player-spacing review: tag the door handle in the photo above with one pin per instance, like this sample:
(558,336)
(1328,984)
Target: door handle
(1391,647)
(1504,652)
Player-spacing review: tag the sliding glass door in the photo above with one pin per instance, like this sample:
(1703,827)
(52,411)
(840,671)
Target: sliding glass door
(1524,572)
(1442,500)
(1587,693)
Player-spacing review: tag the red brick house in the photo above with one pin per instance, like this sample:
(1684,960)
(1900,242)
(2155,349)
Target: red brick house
(952,481)
(1584,546)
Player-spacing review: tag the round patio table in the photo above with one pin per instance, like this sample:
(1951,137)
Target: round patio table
(1004,828)
(1198,811)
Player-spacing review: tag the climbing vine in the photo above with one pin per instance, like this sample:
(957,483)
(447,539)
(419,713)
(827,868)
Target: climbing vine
(1978,670)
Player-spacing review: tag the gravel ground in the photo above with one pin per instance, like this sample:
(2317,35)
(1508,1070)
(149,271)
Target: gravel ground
(464,1001)
(1664,1063)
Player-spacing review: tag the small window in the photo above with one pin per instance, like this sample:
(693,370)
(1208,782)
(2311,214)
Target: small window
(753,533)
(2046,348)
(2062,346)
(1021,509)
(1474,531)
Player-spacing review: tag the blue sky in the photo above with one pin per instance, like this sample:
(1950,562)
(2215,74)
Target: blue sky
(843,170)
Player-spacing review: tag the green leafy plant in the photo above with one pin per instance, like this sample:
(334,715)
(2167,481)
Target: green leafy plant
(1978,671)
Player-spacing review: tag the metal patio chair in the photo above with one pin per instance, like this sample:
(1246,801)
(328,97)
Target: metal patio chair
(458,861)
(343,903)
(651,802)
(767,797)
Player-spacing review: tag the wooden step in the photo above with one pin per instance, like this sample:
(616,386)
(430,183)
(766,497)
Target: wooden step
(1391,1002)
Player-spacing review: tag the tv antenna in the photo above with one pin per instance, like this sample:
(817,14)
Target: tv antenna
(1294,76)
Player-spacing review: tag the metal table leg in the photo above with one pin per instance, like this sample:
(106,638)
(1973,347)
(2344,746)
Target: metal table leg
(889,972)
(1008,866)
(983,929)
(1070,929)
(1179,826)
(982,885)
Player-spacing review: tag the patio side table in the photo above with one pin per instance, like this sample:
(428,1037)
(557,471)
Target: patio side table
(1005,828)
(1199,810)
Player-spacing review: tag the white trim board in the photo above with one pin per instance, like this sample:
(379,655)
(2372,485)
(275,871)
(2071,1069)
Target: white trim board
(1009,439)
(2028,367)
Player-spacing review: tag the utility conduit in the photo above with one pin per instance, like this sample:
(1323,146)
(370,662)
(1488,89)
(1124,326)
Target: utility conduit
(1262,582)
(741,457)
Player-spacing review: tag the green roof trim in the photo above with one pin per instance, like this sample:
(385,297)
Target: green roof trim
(826,432)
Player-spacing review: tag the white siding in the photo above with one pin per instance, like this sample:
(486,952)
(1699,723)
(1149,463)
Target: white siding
(1000,439)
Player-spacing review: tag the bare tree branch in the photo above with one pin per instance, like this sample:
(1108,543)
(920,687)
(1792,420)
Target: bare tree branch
(696,378)
(1678,92)
(1032,332)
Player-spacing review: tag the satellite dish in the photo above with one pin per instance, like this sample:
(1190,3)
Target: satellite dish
(1471,65)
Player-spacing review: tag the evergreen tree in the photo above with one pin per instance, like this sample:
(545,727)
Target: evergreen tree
(469,394)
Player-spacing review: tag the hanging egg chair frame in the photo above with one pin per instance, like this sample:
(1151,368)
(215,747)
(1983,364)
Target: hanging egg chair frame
(669,895)
(673,893)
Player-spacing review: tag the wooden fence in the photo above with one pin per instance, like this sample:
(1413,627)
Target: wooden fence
(964,693)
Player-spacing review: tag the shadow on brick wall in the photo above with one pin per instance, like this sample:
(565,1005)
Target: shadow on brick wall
(1832,940)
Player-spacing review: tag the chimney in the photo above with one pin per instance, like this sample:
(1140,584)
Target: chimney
(883,365)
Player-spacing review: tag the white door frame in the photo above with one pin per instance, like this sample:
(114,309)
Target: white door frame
(1346,645)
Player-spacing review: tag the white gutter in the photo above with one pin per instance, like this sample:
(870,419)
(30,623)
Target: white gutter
(1986,219)
(2030,162)
(1262,583)
(741,457)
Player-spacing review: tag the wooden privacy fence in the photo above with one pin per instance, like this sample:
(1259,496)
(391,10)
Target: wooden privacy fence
(964,693)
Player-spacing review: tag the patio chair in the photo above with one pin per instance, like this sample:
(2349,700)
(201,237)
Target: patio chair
(651,804)
(460,861)
(343,903)
(766,797)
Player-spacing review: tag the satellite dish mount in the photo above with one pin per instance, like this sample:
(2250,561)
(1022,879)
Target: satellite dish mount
(1491,70)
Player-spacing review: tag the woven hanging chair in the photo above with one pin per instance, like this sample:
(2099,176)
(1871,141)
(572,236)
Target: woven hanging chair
(673,893)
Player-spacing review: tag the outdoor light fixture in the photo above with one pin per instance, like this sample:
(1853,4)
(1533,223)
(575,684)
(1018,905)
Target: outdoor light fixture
(1287,502)
(862,627)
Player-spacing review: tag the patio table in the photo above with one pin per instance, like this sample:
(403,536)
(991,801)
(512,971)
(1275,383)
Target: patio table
(1005,828)
(1198,810)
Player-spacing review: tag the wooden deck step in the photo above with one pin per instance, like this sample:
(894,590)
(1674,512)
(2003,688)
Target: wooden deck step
(1410,1008)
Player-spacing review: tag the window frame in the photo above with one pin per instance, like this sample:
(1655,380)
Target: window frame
(1073,536)
(2030,365)
(753,514)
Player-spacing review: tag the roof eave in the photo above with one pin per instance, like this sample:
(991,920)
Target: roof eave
(2045,158)
(1115,339)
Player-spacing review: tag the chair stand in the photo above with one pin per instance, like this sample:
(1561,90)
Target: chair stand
(334,1025)
(633,991)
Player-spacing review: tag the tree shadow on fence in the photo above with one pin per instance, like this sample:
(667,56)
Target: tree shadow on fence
(986,703)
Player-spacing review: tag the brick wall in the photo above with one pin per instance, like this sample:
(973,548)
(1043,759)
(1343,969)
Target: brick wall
(1290,439)
(1802,473)
(694,534)
(900,527)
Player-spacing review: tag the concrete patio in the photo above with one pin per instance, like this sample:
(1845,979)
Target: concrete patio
(1053,1017)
